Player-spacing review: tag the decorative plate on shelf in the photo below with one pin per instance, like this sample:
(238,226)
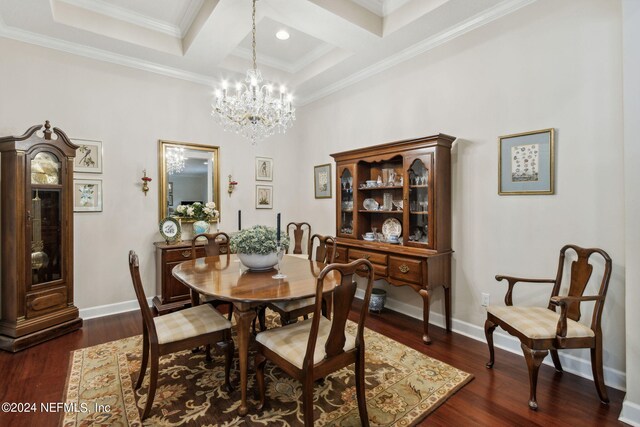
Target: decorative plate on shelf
(370,204)
(170,229)
(391,226)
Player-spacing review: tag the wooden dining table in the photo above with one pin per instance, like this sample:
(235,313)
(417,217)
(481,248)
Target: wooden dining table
(225,278)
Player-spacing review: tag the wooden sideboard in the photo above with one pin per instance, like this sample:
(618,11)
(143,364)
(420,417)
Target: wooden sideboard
(403,186)
(173,295)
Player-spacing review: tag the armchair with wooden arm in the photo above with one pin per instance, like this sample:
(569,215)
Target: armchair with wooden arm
(542,330)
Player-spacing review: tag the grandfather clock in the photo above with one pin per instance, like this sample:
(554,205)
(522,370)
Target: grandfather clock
(36,184)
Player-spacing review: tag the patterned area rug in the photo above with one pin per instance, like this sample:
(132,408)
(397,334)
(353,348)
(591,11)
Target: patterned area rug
(403,386)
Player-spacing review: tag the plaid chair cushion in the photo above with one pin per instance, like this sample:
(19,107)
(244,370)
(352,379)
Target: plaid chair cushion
(189,323)
(289,306)
(303,256)
(290,342)
(538,322)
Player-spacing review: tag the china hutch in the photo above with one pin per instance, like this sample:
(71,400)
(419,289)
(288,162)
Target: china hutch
(394,209)
(37,237)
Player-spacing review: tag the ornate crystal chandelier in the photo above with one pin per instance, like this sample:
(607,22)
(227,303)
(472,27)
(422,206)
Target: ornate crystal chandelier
(175,160)
(253,110)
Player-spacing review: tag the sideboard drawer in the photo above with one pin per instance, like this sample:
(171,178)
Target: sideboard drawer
(373,257)
(405,269)
(341,255)
(182,254)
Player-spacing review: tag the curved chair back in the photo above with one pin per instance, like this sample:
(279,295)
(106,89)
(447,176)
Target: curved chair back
(343,296)
(213,244)
(147,316)
(325,251)
(581,270)
(298,233)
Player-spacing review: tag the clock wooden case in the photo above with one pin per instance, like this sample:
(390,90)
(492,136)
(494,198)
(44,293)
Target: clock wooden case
(403,188)
(37,237)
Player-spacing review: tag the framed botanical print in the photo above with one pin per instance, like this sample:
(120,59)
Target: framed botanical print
(88,156)
(264,196)
(526,163)
(322,181)
(264,169)
(87,195)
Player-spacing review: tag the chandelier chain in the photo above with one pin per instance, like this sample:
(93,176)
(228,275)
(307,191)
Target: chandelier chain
(253,20)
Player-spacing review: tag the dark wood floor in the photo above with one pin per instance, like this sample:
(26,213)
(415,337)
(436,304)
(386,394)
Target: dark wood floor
(495,397)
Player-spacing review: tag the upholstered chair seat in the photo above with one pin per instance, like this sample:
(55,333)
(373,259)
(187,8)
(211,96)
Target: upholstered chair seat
(290,342)
(189,323)
(538,322)
(289,306)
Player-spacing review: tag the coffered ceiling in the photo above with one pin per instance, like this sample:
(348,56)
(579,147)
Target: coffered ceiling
(332,44)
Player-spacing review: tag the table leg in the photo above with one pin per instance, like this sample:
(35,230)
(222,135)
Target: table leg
(425,314)
(244,318)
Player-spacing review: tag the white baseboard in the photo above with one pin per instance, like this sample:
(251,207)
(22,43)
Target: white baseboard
(575,365)
(109,309)
(630,413)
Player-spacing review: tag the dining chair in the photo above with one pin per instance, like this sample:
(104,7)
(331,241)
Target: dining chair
(312,349)
(298,233)
(180,330)
(214,243)
(542,329)
(289,311)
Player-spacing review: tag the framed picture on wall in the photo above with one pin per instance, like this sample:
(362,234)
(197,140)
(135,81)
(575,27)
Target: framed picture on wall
(322,181)
(264,169)
(87,195)
(526,163)
(88,156)
(264,196)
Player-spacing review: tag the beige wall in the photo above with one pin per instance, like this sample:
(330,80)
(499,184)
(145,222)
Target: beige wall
(631,76)
(550,64)
(128,110)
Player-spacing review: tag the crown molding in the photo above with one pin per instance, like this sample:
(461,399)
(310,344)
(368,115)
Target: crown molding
(293,68)
(424,46)
(464,27)
(189,16)
(122,14)
(101,55)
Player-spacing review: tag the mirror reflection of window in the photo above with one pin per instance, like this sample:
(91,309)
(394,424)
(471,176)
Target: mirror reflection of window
(189,173)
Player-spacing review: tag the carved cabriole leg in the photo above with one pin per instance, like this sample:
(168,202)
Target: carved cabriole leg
(145,356)
(447,307)
(534,359)
(556,360)
(489,327)
(260,362)
(244,317)
(598,374)
(425,314)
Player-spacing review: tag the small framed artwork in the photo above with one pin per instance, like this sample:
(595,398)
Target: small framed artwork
(87,195)
(264,196)
(322,181)
(264,169)
(526,163)
(88,156)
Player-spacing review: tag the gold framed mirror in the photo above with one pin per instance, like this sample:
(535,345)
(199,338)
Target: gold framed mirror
(188,173)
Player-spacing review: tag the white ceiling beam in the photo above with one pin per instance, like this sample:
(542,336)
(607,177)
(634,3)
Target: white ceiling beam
(353,13)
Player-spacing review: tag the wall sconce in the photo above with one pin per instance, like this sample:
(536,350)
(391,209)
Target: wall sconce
(145,182)
(232,185)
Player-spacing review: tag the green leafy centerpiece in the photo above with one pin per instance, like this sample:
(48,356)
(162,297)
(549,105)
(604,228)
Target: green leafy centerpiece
(257,247)
(201,215)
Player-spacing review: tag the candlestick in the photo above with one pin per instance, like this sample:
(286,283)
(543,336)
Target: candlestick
(278,229)
(239,220)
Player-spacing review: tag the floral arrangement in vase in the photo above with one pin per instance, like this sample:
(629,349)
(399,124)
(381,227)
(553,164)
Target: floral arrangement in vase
(257,246)
(201,214)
